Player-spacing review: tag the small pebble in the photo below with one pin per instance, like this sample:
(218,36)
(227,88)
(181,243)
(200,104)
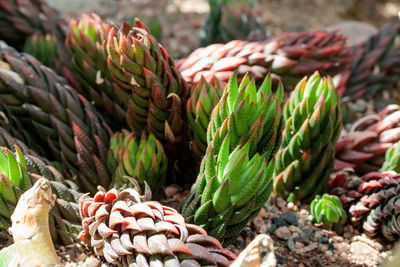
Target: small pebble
(280,202)
(347,235)
(283,233)
(323,240)
(328,253)
(262,213)
(299,245)
(291,245)
(338,239)
(170,191)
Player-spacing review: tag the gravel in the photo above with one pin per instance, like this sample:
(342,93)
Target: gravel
(300,243)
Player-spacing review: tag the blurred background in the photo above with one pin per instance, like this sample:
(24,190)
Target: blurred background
(178,23)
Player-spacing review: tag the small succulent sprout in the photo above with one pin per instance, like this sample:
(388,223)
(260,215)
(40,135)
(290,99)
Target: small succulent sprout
(328,211)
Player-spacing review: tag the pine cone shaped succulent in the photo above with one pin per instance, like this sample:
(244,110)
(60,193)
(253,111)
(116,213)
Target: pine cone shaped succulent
(204,97)
(84,44)
(63,121)
(142,68)
(375,65)
(235,173)
(21,19)
(125,229)
(328,210)
(142,159)
(377,206)
(313,125)
(290,56)
(17,174)
(341,183)
(44,48)
(364,146)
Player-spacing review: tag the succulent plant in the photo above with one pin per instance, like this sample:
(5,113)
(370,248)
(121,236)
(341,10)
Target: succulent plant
(203,98)
(20,19)
(341,183)
(372,200)
(142,68)
(84,44)
(235,173)
(376,205)
(363,147)
(17,174)
(392,159)
(229,20)
(63,122)
(289,56)
(328,210)
(142,159)
(126,229)
(375,66)
(313,124)
(44,47)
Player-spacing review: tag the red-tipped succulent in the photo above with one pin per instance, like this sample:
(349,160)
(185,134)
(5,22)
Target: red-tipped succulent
(125,229)
(290,56)
(363,147)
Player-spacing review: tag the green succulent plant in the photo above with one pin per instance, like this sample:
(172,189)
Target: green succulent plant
(392,159)
(328,210)
(203,98)
(312,126)
(140,158)
(235,173)
(17,174)
(44,47)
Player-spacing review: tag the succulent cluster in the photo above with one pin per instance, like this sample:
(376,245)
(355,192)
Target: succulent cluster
(60,119)
(235,173)
(142,69)
(289,56)
(376,206)
(143,159)
(375,65)
(363,147)
(224,106)
(84,44)
(124,228)
(312,126)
